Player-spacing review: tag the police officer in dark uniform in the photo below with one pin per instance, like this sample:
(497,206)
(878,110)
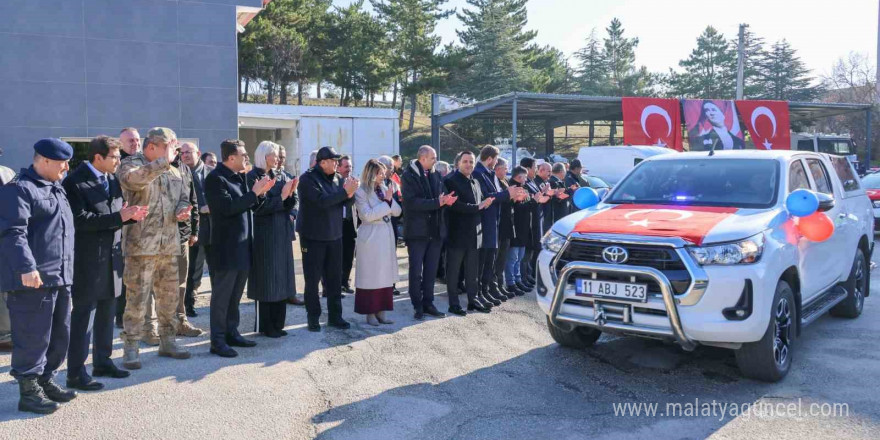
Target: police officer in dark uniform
(36,242)
(322,194)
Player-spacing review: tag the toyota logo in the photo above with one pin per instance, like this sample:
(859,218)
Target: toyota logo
(615,255)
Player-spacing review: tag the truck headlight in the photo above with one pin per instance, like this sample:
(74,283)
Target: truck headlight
(553,241)
(742,252)
(876,203)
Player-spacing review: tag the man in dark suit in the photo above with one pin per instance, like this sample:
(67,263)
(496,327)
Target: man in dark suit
(349,228)
(98,215)
(424,198)
(189,154)
(322,194)
(560,203)
(542,181)
(537,228)
(491,188)
(231,203)
(463,245)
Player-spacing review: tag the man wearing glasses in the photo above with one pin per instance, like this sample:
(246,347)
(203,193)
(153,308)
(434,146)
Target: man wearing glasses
(151,248)
(98,216)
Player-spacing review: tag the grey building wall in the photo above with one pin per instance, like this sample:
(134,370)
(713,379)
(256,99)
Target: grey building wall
(80,68)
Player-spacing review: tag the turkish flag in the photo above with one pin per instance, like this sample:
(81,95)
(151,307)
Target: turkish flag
(691,223)
(652,121)
(767,122)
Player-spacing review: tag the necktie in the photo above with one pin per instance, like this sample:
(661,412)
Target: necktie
(105,184)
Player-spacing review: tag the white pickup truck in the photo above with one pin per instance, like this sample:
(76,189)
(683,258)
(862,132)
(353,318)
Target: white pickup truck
(700,249)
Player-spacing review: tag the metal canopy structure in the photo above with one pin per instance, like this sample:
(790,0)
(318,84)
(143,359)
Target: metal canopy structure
(561,110)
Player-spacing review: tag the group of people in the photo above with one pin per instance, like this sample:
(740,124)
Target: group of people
(130,230)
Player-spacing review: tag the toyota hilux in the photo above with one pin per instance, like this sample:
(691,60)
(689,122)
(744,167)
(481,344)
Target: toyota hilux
(701,250)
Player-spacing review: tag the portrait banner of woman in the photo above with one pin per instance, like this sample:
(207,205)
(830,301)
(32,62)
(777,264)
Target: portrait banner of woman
(712,124)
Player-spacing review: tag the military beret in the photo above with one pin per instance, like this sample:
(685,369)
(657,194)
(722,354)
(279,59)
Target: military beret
(54,149)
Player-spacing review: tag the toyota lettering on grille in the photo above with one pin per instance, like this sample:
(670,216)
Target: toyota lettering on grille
(615,255)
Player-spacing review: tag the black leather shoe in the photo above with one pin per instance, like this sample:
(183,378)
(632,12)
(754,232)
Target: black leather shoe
(282,332)
(55,392)
(224,351)
(523,288)
(272,334)
(347,289)
(191,312)
(84,383)
(431,310)
(114,373)
(239,341)
(496,294)
(419,316)
(314,325)
(33,398)
(510,291)
(457,310)
(487,300)
(476,306)
(395,292)
(531,281)
(339,323)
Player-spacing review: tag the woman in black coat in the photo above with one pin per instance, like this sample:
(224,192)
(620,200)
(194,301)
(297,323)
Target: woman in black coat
(271,280)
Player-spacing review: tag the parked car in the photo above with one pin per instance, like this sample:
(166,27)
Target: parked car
(701,250)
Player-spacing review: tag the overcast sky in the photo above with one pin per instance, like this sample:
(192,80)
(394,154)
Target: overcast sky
(821,31)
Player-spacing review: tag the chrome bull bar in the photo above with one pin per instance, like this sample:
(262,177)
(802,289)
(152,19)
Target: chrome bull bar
(669,301)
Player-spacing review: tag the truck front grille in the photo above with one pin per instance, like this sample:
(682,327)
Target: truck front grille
(662,258)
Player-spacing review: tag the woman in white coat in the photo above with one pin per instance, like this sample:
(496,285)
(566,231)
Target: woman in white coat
(376,263)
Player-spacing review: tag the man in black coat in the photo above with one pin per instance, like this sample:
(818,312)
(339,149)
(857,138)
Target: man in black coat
(537,228)
(322,194)
(230,202)
(349,228)
(463,246)
(560,203)
(424,198)
(189,154)
(98,215)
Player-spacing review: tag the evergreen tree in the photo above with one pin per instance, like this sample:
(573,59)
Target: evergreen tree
(620,59)
(411,25)
(709,71)
(784,76)
(592,71)
(358,65)
(496,44)
(548,70)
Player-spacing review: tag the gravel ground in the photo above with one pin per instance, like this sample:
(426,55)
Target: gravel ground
(496,376)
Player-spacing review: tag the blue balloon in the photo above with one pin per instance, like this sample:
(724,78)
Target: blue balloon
(801,203)
(585,198)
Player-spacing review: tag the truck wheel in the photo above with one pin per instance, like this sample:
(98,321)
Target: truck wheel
(856,286)
(578,337)
(769,359)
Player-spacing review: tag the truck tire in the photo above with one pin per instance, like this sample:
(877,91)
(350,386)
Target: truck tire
(769,359)
(578,337)
(856,286)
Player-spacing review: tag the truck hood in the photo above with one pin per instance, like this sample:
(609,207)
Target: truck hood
(694,224)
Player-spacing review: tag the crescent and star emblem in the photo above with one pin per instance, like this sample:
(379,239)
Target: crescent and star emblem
(657,110)
(759,111)
(682,215)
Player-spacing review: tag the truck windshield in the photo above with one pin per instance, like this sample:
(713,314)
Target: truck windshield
(739,183)
(835,146)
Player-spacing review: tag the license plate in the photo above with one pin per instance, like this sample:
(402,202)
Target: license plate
(610,289)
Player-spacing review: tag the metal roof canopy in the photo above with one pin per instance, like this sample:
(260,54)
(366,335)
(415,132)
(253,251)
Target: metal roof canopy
(561,110)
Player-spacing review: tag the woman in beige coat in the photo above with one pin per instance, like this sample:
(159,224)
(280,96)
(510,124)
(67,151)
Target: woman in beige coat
(376,262)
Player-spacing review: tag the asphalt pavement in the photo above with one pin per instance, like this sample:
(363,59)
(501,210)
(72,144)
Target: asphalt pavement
(495,376)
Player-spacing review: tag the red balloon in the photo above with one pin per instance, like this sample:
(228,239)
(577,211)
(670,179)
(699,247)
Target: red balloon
(816,227)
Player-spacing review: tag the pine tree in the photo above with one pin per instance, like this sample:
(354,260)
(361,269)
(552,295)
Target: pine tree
(785,77)
(709,71)
(411,25)
(591,70)
(620,61)
(496,44)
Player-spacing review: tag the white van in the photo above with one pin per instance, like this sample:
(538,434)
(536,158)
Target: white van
(612,163)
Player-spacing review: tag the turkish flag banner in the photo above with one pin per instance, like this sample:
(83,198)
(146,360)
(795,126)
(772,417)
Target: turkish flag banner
(768,123)
(652,121)
(691,223)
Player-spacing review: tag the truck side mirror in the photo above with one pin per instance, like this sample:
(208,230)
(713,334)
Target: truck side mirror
(826,202)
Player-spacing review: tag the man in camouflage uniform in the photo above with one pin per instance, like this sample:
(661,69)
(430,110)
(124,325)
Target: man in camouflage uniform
(152,247)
